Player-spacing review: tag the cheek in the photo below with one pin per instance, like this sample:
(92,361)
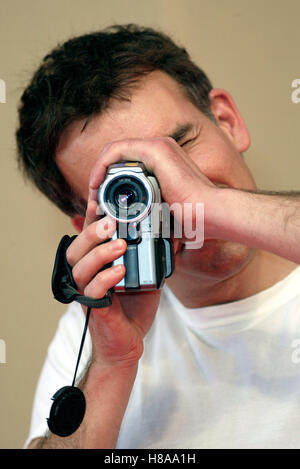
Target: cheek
(222,164)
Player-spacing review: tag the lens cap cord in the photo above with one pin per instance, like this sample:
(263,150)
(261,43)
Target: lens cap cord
(68,408)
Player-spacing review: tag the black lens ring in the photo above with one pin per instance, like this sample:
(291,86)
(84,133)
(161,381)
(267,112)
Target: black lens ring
(129,192)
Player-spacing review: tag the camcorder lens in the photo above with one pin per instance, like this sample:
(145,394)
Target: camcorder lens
(126,197)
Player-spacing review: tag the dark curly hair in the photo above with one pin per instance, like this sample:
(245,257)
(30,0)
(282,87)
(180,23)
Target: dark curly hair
(77,80)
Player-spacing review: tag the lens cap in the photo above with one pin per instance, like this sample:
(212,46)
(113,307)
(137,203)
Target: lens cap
(67,411)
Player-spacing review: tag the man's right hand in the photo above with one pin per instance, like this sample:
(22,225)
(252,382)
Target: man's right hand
(117,331)
(117,334)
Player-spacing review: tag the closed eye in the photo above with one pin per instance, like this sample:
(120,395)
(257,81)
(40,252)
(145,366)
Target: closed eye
(185,143)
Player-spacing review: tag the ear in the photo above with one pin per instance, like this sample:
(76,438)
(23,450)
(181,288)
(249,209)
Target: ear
(78,222)
(229,119)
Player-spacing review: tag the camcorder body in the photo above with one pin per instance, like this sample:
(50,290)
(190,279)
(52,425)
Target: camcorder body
(131,196)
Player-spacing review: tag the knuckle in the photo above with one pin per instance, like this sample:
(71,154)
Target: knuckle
(77,275)
(163,147)
(171,142)
(70,257)
(108,150)
(89,233)
(168,144)
(167,140)
(107,147)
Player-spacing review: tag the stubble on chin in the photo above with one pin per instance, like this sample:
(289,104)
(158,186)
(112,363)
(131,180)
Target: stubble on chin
(217,259)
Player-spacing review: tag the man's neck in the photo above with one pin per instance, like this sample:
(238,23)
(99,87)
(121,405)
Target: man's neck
(261,272)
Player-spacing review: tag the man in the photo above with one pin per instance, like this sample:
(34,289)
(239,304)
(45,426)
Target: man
(207,362)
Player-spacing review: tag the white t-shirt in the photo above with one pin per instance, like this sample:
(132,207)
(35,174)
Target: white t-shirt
(225,376)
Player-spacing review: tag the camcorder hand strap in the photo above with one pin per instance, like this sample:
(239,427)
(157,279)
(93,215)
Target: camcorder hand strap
(63,285)
(68,408)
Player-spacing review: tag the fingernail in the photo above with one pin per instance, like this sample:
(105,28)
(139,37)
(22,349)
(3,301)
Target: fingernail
(117,244)
(118,268)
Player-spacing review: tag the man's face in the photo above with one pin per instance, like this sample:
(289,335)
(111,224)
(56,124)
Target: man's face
(158,106)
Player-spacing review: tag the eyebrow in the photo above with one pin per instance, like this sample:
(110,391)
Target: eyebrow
(181,131)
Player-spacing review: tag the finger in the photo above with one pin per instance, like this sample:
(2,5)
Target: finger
(89,265)
(105,280)
(94,234)
(91,214)
(129,149)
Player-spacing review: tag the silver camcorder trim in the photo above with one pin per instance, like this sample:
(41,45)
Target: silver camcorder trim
(136,172)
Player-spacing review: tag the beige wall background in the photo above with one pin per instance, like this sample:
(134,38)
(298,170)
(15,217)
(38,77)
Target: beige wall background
(249,48)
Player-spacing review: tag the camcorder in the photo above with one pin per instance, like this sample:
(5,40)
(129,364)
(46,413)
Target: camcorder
(131,196)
